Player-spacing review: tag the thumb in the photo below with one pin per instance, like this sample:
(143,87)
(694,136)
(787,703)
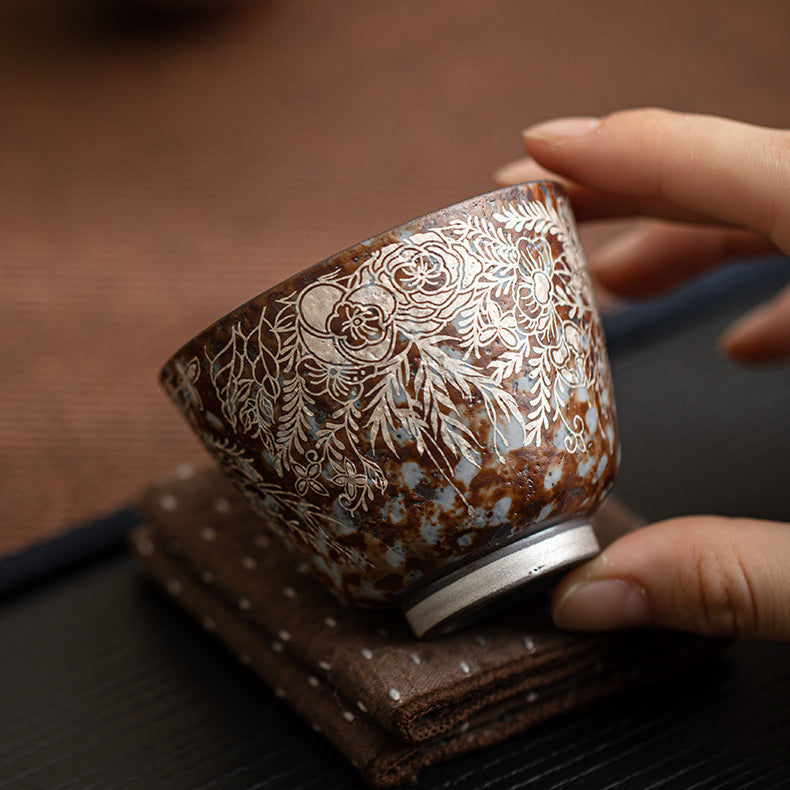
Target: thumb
(704,574)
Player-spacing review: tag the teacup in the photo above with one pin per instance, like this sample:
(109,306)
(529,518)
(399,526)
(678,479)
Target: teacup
(427,416)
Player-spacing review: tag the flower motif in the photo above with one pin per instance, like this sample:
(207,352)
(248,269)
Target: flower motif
(431,276)
(570,354)
(257,408)
(535,290)
(358,325)
(579,290)
(501,326)
(342,326)
(181,382)
(341,382)
(352,481)
(307,475)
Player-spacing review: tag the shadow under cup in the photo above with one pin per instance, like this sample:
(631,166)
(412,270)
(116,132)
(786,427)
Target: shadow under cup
(427,416)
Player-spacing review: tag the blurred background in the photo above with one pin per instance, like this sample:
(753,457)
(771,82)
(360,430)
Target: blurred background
(163,162)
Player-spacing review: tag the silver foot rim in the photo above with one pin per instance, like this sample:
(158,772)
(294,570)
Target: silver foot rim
(472,589)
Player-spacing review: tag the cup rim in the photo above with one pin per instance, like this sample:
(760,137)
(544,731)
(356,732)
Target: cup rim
(365,248)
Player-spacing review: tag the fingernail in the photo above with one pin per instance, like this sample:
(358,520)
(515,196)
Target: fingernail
(748,328)
(603,605)
(561,130)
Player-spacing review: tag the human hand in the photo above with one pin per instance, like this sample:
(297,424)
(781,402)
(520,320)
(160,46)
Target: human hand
(712,188)
(724,187)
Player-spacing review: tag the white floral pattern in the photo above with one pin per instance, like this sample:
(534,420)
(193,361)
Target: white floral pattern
(496,311)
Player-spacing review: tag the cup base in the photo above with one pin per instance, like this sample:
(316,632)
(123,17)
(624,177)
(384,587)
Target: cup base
(474,589)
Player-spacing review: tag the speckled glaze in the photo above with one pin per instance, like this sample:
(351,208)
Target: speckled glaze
(417,400)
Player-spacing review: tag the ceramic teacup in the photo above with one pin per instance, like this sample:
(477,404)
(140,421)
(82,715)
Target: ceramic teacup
(428,416)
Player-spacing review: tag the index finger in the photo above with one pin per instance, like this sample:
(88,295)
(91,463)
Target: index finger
(592,204)
(698,166)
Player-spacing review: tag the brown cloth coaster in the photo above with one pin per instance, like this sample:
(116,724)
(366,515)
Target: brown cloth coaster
(391,703)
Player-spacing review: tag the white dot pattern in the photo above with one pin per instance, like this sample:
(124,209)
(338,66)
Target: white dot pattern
(529,643)
(411,667)
(185,471)
(221,505)
(168,502)
(208,534)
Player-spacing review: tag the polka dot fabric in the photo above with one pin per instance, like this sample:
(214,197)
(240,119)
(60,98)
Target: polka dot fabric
(393,704)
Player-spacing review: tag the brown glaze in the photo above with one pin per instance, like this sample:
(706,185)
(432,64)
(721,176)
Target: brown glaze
(416,400)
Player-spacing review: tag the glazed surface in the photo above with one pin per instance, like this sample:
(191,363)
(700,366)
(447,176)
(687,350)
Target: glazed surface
(425,396)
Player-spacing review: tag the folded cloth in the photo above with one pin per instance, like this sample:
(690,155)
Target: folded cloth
(391,703)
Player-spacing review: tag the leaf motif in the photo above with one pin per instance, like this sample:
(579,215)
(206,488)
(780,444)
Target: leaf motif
(505,365)
(487,335)
(380,422)
(257,378)
(226,368)
(419,378)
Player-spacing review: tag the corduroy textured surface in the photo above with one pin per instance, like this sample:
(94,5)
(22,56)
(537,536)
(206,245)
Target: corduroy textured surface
(156,175)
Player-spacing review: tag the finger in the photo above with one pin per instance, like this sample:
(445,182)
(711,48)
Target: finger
(728,171)
(763,335)
(654,257)
(526,169)
(657,256)
(590,203)
(703,574)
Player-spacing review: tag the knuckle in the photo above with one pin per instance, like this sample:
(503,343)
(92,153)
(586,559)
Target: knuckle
(644,118)
(727,603)
(779,146)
